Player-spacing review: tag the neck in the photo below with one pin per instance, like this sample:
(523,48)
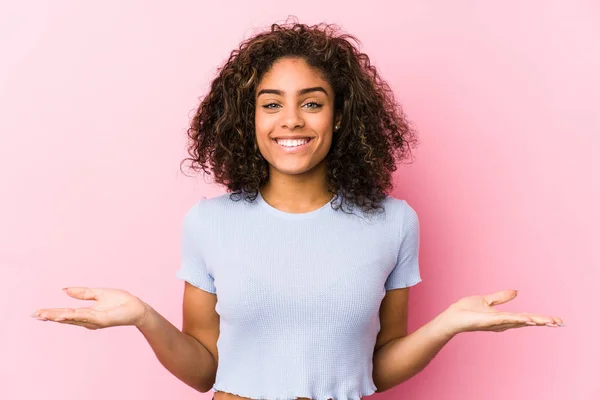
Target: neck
(297,193)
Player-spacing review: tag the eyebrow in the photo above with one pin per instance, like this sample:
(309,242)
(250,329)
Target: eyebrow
(300,92)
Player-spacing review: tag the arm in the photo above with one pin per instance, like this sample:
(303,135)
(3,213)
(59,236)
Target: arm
(401,358)
(183,352)
(404,357)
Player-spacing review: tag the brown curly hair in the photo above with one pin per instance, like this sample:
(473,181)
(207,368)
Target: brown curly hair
(373,134)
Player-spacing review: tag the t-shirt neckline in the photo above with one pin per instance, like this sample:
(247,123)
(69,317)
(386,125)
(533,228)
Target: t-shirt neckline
(288,215)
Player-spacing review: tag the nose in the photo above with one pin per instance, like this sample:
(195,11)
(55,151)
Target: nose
(291,118)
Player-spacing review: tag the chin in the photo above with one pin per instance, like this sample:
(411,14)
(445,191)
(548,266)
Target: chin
(292,168)
(291,171)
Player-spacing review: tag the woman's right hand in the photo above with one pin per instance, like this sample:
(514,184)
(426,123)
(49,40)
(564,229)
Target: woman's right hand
(111,307)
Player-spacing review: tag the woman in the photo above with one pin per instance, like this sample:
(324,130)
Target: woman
(309,257)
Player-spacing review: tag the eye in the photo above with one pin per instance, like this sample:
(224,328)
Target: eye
(313,105)
(271,106)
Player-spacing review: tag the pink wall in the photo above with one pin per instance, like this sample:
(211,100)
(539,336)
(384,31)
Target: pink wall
(94,102)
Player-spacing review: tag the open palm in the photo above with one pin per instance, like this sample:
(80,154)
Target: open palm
(476,313)
(111,307)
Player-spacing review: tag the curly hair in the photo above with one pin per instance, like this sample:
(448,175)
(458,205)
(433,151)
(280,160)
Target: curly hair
(374,132)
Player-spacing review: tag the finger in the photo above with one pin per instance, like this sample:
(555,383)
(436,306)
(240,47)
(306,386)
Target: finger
(526,318)
(503,327)
(540,319)
(81,293)
(84,324)
(51,313)
(558,321)
(500,297)
(498,318)
(83,314)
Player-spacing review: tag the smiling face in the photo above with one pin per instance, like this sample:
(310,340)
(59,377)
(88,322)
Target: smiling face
(294,118)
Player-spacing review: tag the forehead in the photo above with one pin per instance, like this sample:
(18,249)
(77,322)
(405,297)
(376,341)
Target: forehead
(293,73)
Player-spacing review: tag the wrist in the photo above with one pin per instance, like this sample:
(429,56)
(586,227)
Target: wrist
(145,318)
(445,325)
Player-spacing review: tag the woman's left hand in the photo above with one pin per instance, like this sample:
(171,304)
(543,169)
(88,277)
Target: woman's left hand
(475,313)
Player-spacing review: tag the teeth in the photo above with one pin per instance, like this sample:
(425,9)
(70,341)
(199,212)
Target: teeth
(292,143)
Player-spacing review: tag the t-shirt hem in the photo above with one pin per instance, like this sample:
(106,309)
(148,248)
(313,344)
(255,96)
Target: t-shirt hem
(405,285)
(195,282)
(286,397)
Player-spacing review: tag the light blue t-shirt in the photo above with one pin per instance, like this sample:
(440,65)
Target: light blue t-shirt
(298,295)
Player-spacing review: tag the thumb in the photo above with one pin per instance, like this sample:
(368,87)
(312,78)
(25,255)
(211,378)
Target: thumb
(500,297)
(81,293)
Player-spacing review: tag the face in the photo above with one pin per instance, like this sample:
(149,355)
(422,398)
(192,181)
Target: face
(294,117)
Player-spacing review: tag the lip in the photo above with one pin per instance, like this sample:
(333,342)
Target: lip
(292,137)
(295,149)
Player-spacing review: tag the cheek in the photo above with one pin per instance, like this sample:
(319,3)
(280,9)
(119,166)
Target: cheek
(262,124)
(262,129)
(322,122)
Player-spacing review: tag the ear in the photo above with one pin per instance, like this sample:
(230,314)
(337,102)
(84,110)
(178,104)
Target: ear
(338,119)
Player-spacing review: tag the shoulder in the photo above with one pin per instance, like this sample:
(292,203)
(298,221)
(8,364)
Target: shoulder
(215,202)
(393,214)
(398,207)
(213,206)
(402,216)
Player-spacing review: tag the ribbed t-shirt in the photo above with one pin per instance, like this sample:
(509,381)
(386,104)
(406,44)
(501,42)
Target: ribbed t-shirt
(298,294)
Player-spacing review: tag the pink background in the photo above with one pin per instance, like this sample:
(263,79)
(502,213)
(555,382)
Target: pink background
(94,102)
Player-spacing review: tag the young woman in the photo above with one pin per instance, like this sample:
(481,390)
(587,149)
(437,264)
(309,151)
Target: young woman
(297,280)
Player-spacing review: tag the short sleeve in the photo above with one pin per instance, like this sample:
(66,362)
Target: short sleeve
(192,268)
(406,272)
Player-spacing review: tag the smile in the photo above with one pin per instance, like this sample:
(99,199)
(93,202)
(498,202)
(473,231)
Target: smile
(292,145)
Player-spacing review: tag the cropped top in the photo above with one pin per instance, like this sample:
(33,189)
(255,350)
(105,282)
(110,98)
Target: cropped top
(298,295)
